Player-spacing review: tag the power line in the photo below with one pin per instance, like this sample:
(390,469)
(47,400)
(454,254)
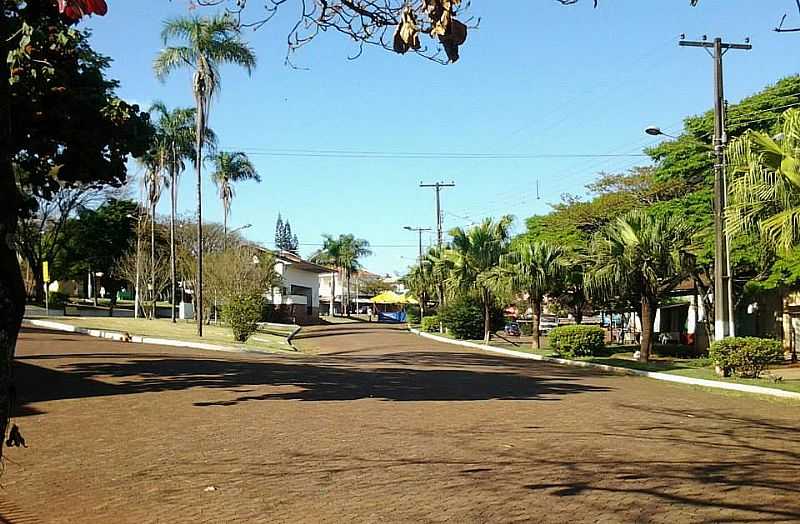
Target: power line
(419,155)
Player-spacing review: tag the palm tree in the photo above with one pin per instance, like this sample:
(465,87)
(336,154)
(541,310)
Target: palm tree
(330,255)
(153,182)
(643,256)
(352,250)
(230,168)
(473,255)
(534,269)
(175,141)
(765,183)
(209,43)
(343,253)
(421,281)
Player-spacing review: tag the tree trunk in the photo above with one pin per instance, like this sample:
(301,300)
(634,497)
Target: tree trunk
(137,298)
(153,259)
(487,321)
(12,287)
(536,308)
(172,263)
(347,304)
(333,295)
(649,307)
(577,314)
(224,227)
(200,132)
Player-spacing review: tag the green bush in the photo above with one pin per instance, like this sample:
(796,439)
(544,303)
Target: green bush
(525,328)
(242,313)
(57,299)
(577,341)
(430,324)
(464,318)
(745,356)
(413,315)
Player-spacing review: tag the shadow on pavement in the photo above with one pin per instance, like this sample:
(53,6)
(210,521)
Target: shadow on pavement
(102,374)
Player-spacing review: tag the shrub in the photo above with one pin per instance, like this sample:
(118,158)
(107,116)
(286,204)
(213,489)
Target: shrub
(430,324)
(577,341)
(526,328)
(745,356)
(413,315)
(464,318)
(242,313)
(56,299)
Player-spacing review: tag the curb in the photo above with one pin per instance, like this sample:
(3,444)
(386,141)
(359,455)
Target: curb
(292,335)
(744,388)
(125,337)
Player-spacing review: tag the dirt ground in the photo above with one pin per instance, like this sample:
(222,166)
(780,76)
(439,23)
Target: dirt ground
(381,426)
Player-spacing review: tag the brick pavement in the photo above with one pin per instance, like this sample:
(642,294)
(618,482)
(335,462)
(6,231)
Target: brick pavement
(379,425)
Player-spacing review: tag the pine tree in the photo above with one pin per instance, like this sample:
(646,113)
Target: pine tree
(295,244)
(279,233)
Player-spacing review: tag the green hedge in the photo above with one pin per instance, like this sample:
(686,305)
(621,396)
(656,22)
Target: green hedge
(413,315)
(745,356)
(577,341)
(242,313)
(430,324)
(464,318)
(57,299)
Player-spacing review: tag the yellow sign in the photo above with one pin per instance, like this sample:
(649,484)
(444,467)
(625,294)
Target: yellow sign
(46,271)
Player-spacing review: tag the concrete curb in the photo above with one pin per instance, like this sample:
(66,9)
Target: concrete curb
(125,337)
(744,388)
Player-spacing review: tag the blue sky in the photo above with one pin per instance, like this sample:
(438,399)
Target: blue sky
(536,78)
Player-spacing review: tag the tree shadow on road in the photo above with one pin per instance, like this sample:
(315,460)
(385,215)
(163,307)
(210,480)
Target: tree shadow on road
(91,375)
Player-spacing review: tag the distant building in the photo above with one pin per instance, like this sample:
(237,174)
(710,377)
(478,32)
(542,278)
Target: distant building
(297,300)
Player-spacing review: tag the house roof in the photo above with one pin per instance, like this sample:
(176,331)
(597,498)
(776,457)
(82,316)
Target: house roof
(299,263)
(296,261)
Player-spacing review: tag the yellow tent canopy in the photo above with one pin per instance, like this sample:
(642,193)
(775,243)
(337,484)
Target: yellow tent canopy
(390,297)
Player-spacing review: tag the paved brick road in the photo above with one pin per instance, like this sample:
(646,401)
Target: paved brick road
(381,426)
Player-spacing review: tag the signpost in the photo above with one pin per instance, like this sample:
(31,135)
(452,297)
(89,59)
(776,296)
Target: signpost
(46,278)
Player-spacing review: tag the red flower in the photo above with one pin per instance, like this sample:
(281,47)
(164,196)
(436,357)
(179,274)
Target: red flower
(77,9)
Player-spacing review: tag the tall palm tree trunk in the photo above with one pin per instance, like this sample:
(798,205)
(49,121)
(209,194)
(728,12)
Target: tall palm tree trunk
(649,307)
(153,259)
(536,309)
(173,272)
(347,304)
(200,131)
(224,226)
(487,321)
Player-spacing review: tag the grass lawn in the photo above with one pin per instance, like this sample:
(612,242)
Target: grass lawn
(622,356)
(181,330)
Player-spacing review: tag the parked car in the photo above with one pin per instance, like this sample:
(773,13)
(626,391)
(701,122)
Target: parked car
(512,329)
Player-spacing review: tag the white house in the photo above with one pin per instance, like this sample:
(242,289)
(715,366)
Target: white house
(298,297)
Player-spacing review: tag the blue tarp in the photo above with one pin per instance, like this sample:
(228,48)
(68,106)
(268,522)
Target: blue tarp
(394,316)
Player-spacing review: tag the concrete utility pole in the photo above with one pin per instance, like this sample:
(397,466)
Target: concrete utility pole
(438,186)
(723,283)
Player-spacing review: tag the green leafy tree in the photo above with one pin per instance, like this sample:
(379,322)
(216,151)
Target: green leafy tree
(99,238)
(474,253)
(643,256)
(51,80)
(208,44)
(230,168)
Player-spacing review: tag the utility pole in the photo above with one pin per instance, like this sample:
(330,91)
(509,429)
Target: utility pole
(723,283)
(438,186)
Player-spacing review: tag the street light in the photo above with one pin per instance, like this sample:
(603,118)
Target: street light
(656,131)
(419,230)
(246,226)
